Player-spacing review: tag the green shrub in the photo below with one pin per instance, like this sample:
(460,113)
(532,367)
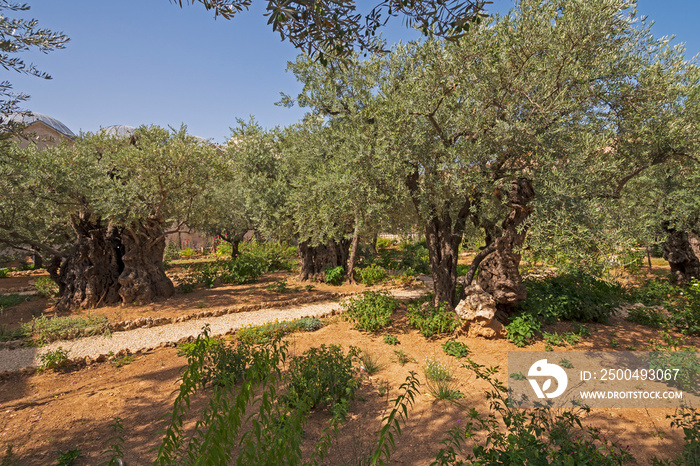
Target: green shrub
(243,269)
(171,252)
(224,249)
(383,243)
(371,275)
(9,300)
(8,335)
(572,296)
(456,349)
(271,255)
(53,360)
(187,252)
(67,458)
(431,320)
(414,255)
(323,376)
(686,360)
(444,390)
(66,328)
(522,329)
(649,317)
(534,436)
(391,339)
(688,420)
(371,311)
(308,324)
(402,358)
(4,272)
(188,284)
(276,330)
(45,287)
(334,275)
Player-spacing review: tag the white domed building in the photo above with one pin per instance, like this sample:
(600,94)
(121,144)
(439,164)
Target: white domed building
(40,129)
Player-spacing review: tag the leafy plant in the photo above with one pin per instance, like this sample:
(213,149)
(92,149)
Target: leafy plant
(171,252)
(120,362)
(4,272)
(517,376)
(335,275)
(688,420)
(371,274)
(517,436)
(371,311)
(66,328)
(188,284)
(402,358)
(575,295)
(45,287)
(565,363)
(323,376)
(522,329)
(649,317)
(115,452)
(455,348)
(391,339)
(8,335)
(67,458)
(431,320)
(686,360)
(224,249)
(53,359)
(9,300)
(308,324)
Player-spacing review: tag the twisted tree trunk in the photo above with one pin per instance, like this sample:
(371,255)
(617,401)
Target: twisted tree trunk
(143,279)
(682,251)
(315,259)
(88,276)
(498,271)
(443,252)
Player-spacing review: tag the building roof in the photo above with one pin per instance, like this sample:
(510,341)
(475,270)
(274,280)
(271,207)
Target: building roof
(27,118)
(118,130)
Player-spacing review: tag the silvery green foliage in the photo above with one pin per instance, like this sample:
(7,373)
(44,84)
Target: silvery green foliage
(163,175)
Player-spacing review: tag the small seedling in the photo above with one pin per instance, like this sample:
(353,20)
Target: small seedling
(517,376)
(403,358)
(566,363)
(67,458)
(455,348)
(54,360)
(391,340)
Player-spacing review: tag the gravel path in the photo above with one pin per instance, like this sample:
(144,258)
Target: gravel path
(151,337)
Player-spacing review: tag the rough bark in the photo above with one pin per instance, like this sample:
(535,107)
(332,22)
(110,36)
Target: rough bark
(498,272)
(88,276)
(443,252)
(143,279)
(315,259)
(682,251)
(353,254)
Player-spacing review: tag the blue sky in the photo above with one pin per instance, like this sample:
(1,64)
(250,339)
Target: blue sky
(139,62)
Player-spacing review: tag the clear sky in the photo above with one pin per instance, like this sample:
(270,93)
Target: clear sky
(136,62)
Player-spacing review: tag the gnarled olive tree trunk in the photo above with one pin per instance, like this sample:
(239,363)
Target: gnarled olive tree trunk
(88,276)
(682,251)
(143,279)
(315,259)
(109,265)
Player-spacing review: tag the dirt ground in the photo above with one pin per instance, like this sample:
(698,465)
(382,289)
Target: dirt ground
(44,414)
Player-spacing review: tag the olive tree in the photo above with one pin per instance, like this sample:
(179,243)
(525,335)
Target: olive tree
(117,197)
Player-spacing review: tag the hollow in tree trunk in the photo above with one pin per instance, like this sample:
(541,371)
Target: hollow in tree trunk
(315,259)
(88,276)
(498,271)
(681,250)
(143,279)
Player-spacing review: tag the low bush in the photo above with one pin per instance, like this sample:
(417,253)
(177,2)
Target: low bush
(4,272)
(224,249)
(9,300)
(53,360)
(334,275)
(371,274)
(66,328)
(371,311)
(572,296)
(243,269)
(456,349)
(649,317)
(271,255)
(689,421)
(534,436)
(522,328)
(188,284)
(171,252)
(444,390)
(45,287)
(275,330)
(324,376)
(187,252)
(431,320)
(391,340)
